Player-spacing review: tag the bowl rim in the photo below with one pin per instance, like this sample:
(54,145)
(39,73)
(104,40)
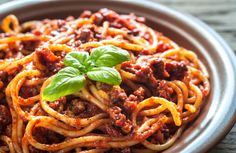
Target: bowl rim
(198,25)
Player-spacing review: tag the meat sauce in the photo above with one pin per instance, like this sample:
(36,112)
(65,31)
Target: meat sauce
(152,75)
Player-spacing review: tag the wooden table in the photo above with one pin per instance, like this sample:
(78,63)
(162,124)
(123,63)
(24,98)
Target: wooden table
(221,16)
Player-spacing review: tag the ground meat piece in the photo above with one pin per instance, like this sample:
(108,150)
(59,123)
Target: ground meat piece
(109,14)
(3,76)
(49,60)
(116,25)
(78,106)
(168,130)
(14,49)
(58,105)
(13,72)
(123,150)
(131,102)
(46,136)
(30,45)
(145,74)
(120,119)
(139,93)
(117,96)
(36,32)
(90,110)
(128,66)
(163,135)
(45,56)
(82,109)
(29,91)
(177,70)
(60,23)
(3,81)
(54,24)
(2,54)
(163,46)
(98,19)
(5,117)
(85,14)
(158,68)
(8,130)
(35,150)
(113,17)
(164,91)
(111,130)
(104,86)
(2,95)
(125,23)
(70,18)
(85,35)
(133,32)
(157,138)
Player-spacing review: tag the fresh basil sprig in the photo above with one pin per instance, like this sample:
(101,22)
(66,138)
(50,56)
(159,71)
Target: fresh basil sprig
(97,66)
(105,74)
(67,81)
(108,56)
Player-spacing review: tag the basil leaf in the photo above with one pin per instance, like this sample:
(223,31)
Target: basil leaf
(109,55)
(67,81)
(105,74)
(79,60)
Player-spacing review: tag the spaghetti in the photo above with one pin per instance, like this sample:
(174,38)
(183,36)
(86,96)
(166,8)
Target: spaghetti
(163,87)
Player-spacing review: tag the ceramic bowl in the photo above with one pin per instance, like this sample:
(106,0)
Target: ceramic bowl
(219,112)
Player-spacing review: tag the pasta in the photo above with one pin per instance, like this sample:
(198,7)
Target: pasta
(162,90)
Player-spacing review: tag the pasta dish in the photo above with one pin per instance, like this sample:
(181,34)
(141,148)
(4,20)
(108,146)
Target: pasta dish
(101,82)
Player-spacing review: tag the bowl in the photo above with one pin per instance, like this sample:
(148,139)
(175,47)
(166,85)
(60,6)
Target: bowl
(219,113)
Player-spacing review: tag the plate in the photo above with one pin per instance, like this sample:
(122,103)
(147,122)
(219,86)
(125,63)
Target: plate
(219,113)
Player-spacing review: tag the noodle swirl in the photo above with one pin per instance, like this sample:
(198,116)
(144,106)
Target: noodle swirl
(163,87)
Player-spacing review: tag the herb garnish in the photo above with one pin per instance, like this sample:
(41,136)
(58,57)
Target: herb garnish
(97,66)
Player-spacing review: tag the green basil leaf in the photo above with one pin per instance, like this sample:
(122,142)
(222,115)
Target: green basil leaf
(67,81)
(105,74)
(79,60)
(109,55)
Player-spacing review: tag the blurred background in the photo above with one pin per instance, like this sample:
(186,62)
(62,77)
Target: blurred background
(221,16)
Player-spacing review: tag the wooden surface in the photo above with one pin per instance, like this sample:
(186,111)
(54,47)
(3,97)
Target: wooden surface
(221,16)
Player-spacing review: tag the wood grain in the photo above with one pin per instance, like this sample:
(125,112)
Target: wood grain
(221,16)
(218,14)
